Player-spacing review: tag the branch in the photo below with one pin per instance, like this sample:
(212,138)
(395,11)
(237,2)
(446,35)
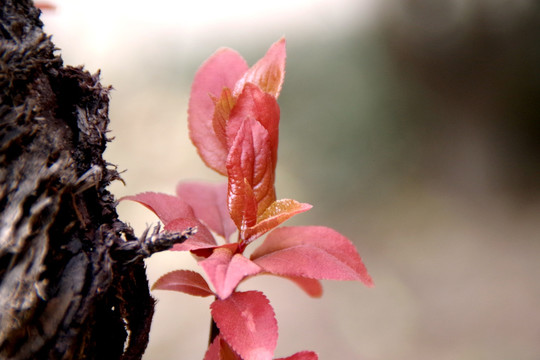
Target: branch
(72,283)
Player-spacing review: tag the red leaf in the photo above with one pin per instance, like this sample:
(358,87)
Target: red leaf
(312,287)
(268,73)
(223,69)
(176,215)
(212,353)
(302,355)
(248,324)
(185,281)
(225,270)
(166,207)
(209,203)
(311,251)
(273,216)
(220,350)
(260,106)
(222,111)
(201,240)
(249,168)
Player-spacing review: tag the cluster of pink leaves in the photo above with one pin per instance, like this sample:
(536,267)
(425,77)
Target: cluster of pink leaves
(234,123)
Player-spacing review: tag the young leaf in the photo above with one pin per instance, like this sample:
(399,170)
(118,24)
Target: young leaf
(248,324)
(186,281)
(260,106)
(226,270)
(221,70)
(222,111)
(249,161)
(209,203)
(278,212)
(314,252)
(268,73)
(302,355)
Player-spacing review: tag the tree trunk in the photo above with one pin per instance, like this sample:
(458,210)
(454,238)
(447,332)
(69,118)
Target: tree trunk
(72,279)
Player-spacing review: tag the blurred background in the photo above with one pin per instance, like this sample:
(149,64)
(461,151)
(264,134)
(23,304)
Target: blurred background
(412,126)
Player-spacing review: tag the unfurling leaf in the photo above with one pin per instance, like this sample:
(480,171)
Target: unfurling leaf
(186,281)
(315,252)
(222,111)
(221,70)
(268,73)
(226,270)
(251,174)
(255,104)
(247,323)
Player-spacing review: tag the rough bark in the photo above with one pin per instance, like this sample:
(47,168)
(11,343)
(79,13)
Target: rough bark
(72,280)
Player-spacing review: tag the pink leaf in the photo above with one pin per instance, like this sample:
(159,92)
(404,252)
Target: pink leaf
(311,251)
(185,281)
(202,239)
(312,287)
(302,355)
(248,324)
(226,270)
(212,353)
(176,215)
(166,207)
(220,350)
(255,104)
(221,70)
(268,73)
(209,203)
(278,212)
(249,168)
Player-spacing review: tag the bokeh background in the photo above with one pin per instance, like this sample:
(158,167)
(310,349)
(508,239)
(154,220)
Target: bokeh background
(412,126)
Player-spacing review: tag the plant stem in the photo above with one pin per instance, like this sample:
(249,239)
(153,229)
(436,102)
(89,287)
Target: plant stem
(214,331)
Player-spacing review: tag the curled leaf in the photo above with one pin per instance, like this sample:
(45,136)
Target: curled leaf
(222,111)
(251,174)
(255,104)
(268,73)
(247,322)
(186,281)
(221,70)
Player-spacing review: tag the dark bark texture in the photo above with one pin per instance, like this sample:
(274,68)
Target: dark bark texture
(72,279)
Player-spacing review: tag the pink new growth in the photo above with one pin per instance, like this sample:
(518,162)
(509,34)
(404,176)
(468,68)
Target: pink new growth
(233,122)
